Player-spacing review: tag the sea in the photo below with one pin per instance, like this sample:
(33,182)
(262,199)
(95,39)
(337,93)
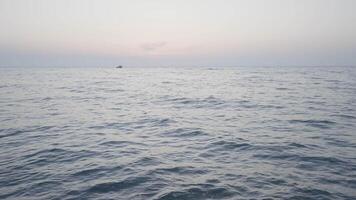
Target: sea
(176,133)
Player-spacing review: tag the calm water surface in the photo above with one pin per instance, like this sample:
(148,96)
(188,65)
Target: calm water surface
(178,133)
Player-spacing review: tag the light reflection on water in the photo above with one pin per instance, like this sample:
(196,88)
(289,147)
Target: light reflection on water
(178,133)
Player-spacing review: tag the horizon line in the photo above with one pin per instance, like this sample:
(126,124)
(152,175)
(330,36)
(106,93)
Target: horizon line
(185,66)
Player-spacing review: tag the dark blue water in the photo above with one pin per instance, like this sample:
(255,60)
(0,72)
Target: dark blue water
(178,133)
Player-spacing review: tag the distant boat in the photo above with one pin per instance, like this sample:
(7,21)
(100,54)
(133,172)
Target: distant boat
(119,67)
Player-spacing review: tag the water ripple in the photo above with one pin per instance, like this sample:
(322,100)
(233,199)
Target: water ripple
(178,133)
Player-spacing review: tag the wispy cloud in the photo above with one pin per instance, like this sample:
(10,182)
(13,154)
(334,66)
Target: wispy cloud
(153,46)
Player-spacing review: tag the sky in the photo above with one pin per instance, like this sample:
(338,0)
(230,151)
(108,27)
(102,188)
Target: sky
(177,32)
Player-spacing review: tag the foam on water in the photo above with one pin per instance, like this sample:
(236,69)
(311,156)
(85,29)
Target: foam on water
(178,133)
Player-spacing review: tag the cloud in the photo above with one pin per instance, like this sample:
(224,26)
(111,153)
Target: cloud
(153,46)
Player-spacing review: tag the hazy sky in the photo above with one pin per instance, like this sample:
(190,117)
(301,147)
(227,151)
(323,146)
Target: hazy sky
(177,32)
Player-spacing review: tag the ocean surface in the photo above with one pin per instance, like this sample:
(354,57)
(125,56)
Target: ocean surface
(178,133)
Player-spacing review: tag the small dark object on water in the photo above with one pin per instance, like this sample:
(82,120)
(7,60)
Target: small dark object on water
(119,67)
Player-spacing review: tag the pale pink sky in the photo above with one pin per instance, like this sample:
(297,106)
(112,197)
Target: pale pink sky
(177,32)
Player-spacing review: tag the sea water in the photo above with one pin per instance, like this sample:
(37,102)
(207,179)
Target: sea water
(178,133)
